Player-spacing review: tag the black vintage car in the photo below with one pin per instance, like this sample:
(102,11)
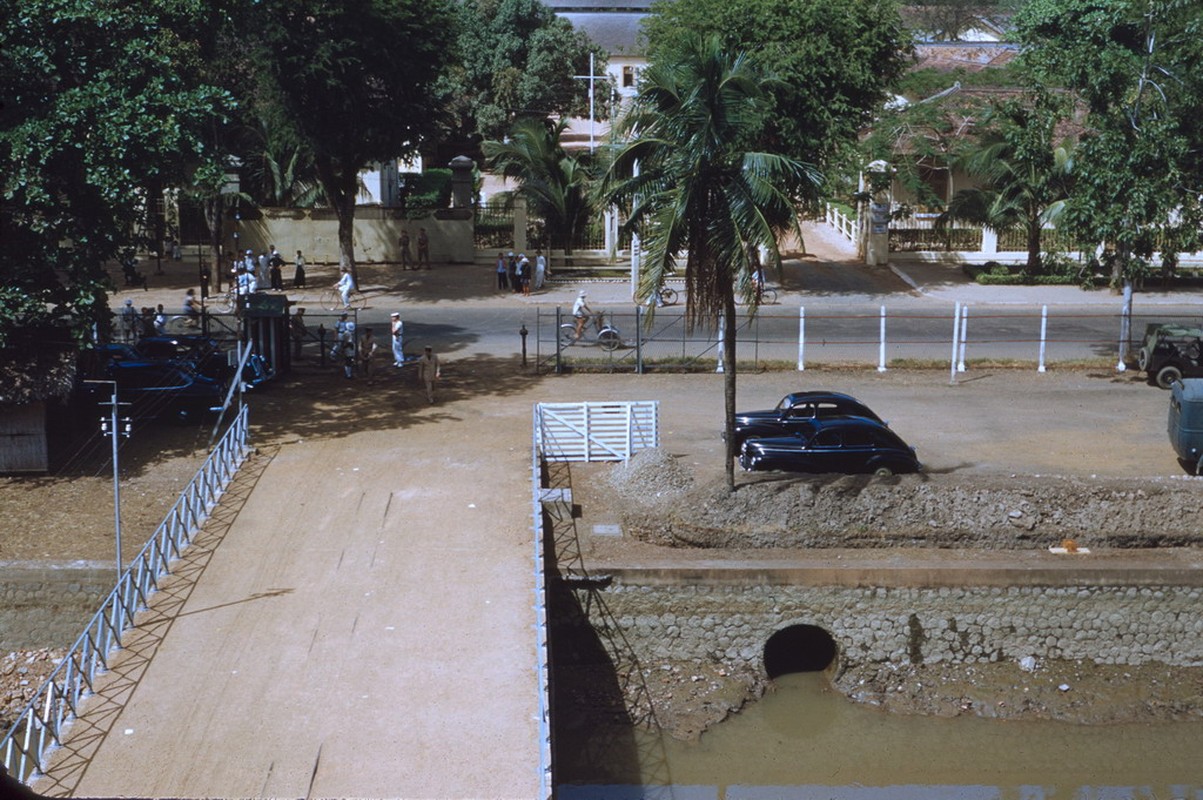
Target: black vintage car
(847,445)
(156,389)
(794,413)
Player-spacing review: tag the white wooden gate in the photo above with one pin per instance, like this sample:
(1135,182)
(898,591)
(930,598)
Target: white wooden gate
(596,431)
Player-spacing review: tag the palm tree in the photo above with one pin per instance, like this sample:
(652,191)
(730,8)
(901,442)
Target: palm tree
(698,190)
(1024,178)
(555,183)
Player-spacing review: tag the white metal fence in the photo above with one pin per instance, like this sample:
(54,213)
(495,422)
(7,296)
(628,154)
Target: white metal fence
(43,723)
(596,431)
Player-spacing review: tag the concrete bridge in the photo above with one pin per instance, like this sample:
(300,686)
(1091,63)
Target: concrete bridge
(355,621)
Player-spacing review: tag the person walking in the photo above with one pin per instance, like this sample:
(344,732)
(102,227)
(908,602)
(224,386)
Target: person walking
(503,281)
(298,331)
(129,321)
(275,263)
(540,270)
(367,351)
(397,328)
(524,274)
(406,258)
(429,371)
(423,248)
(298,277)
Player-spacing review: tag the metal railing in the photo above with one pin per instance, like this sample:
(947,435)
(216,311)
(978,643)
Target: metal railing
(43,722)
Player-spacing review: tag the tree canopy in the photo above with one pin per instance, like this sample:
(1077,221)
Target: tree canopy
(516,58)
(830,62)
(555,183)
(1139,165)
(99,99)
(351,82)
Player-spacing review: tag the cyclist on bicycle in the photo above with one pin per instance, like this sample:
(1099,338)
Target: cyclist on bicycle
(581,313)
(345,285)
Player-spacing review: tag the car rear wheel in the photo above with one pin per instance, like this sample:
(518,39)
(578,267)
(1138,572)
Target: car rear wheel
(883,471)
(1168,375)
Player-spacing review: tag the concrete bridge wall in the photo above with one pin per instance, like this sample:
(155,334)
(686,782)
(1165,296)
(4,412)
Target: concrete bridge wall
(730,622)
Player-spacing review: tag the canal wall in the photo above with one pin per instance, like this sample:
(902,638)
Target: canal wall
(668,615)
(48,604)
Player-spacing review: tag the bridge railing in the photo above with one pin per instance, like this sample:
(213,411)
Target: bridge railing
(562,433)
(43,722)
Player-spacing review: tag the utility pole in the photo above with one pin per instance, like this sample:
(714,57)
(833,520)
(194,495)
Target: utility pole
(113,426)
(592,78)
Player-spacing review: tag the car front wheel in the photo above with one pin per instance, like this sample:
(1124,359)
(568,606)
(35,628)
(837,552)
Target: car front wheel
(883,471)
(1168,375)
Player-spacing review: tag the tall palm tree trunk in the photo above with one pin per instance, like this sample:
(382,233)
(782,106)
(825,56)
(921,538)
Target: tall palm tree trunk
(728,345)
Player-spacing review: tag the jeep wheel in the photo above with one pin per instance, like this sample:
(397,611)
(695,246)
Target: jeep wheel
(1168,375)
(1142,360)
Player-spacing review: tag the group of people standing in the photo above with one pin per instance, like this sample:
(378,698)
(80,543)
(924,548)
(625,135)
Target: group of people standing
(516,273)
(361,351)
(254,274)
(407,261)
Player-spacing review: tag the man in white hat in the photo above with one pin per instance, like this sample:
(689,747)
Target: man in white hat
(581,313)
(129,321)
(398,330)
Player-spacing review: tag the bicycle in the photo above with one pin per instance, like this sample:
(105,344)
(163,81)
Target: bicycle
(668,296)
(331,300)
(182,325)
(607,336)
(767,297)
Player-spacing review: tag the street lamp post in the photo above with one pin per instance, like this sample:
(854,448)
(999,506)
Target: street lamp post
(113,426)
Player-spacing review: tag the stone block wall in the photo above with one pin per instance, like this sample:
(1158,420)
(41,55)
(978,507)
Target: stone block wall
(731,623)
(49,605)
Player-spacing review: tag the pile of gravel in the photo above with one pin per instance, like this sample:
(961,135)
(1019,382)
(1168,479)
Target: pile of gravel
(651,477)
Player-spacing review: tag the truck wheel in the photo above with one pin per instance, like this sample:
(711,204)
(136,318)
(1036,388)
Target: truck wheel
(1168,375)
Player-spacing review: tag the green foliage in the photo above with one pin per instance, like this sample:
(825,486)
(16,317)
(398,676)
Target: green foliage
(554,183)
(428,190)
(100,99)
(350,82)
(831,62)
(921,83)
(701,189)
(1140,161)
(517,58)
(1024,174)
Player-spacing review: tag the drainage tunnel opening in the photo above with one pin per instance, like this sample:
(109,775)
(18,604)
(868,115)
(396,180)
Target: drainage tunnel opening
(798,648)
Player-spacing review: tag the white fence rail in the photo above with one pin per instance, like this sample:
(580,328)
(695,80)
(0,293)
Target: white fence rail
(596,431)
(43,723)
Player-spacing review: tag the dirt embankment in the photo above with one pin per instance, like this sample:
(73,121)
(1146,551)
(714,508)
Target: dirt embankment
(665,507)
(663,504)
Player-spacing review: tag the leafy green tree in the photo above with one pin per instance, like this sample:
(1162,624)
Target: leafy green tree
(1024,173)
(516,58)
(700,189)
(554,183)
(1139,164)
(350,82)
(831,60)
(948,20)
(99,100)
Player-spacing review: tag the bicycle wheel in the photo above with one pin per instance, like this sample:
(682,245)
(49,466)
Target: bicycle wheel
(768,297)
(668,295)
(182,325)
(609,339)
(359,300)
(567,334)
(331,300)
(224,303)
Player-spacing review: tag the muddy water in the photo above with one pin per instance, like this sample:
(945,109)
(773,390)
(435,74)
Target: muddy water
(807,742)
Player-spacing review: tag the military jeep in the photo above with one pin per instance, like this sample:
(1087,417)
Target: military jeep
(1171,352)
